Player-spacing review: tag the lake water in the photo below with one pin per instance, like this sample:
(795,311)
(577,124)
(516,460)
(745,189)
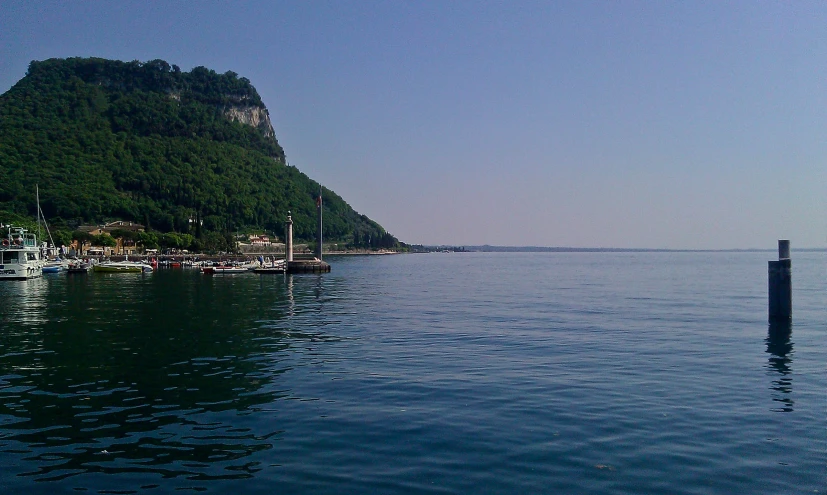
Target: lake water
(442,373)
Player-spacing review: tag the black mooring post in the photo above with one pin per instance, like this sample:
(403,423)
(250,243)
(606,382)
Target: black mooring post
(780,284)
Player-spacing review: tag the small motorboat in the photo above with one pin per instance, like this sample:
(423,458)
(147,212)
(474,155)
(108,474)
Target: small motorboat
(78,266)
(122,267)
(269,270)
(223,270)
(56,266)
(274,267)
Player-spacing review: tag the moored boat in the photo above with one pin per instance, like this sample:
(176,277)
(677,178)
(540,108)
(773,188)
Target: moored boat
(268,267)
(121,267)
(56,266)
(223,270)
(78,266)
(273,270)
(20,255)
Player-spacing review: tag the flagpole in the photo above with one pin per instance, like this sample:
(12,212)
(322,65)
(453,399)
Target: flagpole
(319,232)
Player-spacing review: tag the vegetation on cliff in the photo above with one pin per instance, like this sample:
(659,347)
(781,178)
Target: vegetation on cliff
(147,142)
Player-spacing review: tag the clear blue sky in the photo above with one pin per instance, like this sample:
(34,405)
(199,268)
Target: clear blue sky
(603,124)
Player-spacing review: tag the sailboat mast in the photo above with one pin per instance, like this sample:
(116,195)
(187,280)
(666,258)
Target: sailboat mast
(37,196)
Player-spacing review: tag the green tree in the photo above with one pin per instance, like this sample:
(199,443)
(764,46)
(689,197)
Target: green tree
(104,240)
(148,240)
(81,236)
(213,242)
(170,240)
(127,235)
(186,241)
(62,237)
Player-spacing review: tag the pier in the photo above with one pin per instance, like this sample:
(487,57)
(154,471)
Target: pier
(308,266)
(304,264)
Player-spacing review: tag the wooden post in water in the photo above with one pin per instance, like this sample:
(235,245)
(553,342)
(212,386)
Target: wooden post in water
(288,238)
(780,284)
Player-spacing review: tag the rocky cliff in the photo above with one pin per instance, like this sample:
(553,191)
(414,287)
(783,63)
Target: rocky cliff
(254,116)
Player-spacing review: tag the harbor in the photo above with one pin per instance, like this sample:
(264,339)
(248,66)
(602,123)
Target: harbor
(23,255)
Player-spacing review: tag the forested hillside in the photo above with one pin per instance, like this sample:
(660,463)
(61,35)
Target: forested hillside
(147,142)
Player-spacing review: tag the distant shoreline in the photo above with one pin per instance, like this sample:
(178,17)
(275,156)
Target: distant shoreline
(537,249)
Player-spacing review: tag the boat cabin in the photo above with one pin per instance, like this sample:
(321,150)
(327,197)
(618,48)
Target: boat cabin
(20,255)
(16,257)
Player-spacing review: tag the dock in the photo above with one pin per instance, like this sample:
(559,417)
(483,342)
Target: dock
(305,264)
(308,266)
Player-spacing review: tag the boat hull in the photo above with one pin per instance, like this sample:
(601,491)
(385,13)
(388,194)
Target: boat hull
(19,272)
(269,270)
(16,271)
(217,270)
(120,268)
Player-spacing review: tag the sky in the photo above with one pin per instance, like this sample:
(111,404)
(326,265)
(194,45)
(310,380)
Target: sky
(683,125)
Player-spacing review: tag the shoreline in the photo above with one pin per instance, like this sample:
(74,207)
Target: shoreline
(234,257)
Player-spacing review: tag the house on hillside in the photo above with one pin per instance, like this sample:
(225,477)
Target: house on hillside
(122,246)
(260,240)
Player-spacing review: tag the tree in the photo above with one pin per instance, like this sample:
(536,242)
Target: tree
(214,241)
(62,237)
(104,240)
(148,240)
(81,236)
(170,240)
(126,237)
(186,241)
(124,234)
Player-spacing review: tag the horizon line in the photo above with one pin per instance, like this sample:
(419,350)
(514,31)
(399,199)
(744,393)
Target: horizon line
(490,247)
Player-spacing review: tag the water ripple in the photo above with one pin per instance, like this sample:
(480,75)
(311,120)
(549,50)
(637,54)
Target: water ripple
(539,373)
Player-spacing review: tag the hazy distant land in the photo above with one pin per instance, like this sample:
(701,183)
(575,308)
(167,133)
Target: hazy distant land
(542,249)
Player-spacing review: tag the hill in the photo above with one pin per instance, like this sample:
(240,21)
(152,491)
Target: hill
(150,143)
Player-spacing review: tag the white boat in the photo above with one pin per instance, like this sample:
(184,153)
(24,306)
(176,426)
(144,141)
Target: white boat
(223,270)
(270,267)
(122,267)
(20,255)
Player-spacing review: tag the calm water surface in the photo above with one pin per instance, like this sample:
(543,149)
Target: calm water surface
(443,373)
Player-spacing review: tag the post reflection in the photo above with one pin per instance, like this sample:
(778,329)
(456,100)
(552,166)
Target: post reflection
(317,287)
(780,349)
(291,303)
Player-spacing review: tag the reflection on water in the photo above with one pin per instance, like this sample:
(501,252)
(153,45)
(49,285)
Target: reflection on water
(291,303)
(26,302)
(122,374)
(780,349)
